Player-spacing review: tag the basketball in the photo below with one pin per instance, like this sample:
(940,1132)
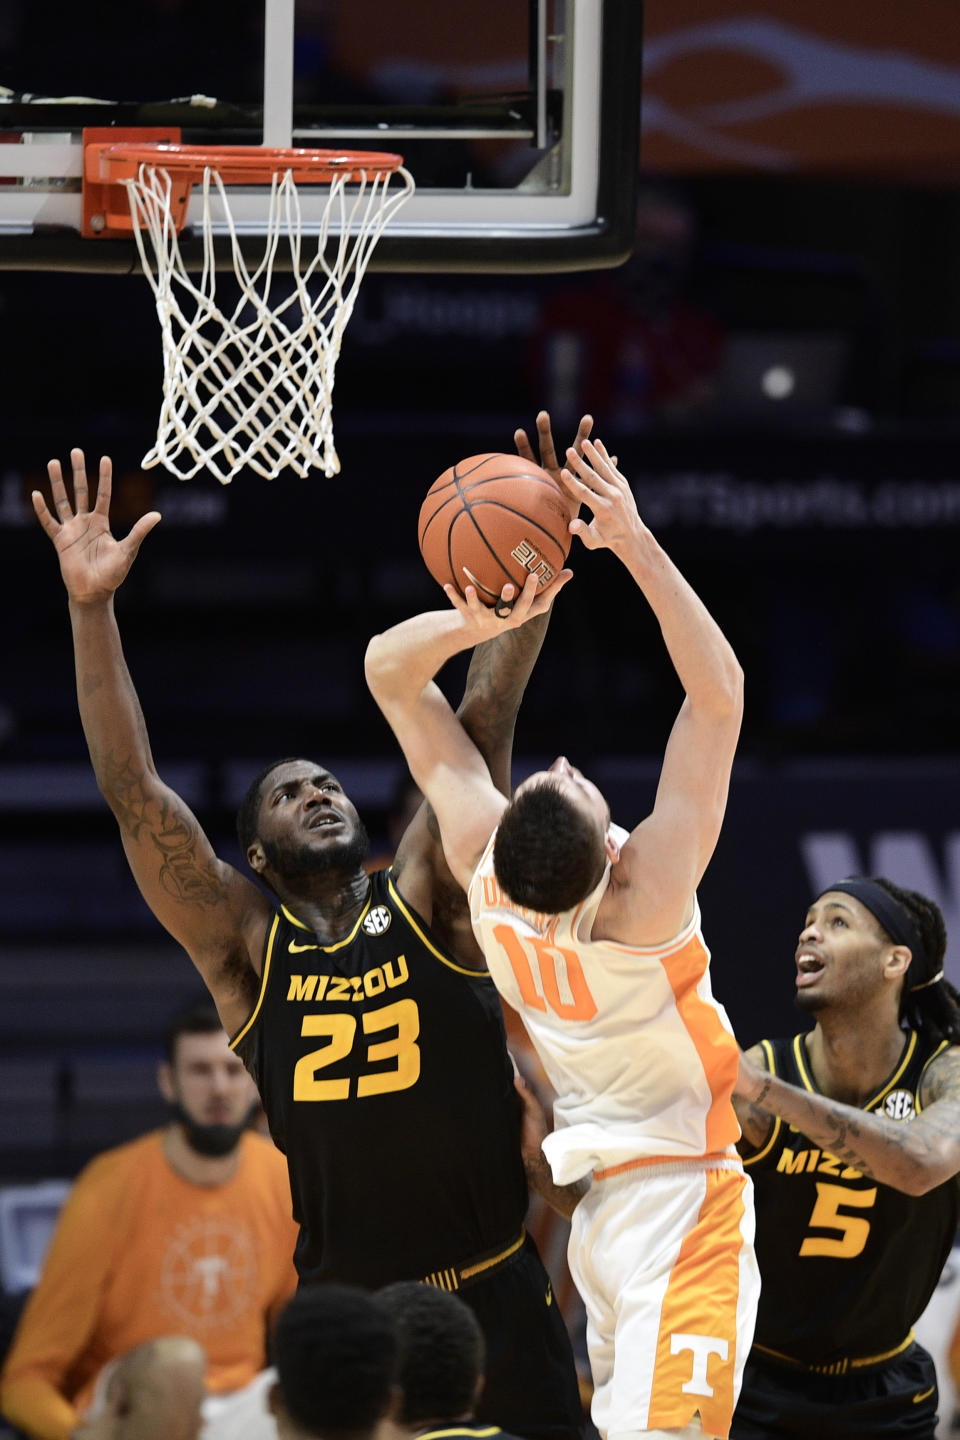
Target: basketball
(493,519)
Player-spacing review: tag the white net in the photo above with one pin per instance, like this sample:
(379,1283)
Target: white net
(252,385)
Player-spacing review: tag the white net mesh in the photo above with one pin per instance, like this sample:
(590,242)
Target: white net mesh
(252,385)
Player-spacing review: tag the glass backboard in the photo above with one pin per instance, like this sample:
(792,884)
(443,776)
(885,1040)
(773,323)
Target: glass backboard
(519,122)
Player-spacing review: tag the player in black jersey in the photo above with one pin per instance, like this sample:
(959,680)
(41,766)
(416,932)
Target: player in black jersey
(851,1133)
(360,1003)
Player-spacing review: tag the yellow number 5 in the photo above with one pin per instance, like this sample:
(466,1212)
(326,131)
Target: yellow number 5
(340,1031)
(827,1215)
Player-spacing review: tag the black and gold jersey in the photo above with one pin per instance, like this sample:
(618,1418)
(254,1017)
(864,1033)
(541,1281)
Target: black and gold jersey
(383,1071)
(847,1264)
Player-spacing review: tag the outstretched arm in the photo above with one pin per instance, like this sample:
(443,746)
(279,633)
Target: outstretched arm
(496,681)
(216,914)
(756,1125)
(913,1156)
(667,854)
(400,665)
(500,668)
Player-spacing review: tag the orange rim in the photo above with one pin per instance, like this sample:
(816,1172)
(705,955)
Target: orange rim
(243,164)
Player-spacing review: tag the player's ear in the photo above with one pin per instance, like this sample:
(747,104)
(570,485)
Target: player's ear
(612,848)
(255,857)
(897,961)
(165,1081)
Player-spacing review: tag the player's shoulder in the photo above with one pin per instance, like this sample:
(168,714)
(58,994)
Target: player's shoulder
(761,1052)
(941,1075)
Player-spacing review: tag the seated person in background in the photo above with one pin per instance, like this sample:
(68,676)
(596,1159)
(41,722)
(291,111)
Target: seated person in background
(440,1368)
(335,1350)
(154,1392)
(185,1231)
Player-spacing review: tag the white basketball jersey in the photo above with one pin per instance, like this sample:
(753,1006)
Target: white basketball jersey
(642,1058)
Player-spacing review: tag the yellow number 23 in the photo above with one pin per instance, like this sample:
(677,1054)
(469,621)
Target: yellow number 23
(340,1031)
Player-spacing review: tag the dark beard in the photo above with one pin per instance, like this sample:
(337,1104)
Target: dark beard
(294,862)
(211,1140)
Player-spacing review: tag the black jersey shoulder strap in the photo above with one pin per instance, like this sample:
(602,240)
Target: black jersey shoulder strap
(266,967)
(770,1050)
(938,1050)
(422,931)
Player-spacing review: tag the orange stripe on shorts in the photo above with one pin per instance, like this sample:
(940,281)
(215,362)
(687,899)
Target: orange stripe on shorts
(701,1302)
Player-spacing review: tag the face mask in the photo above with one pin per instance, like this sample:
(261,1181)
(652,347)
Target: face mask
(210,1140)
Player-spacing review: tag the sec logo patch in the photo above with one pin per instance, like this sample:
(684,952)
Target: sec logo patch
(377,920)
(898,1105)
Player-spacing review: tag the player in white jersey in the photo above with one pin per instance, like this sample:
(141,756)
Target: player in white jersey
(593,935)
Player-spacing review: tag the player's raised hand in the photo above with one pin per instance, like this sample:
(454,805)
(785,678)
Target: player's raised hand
(513,609)
(592,479)
(548,459)
(93,563)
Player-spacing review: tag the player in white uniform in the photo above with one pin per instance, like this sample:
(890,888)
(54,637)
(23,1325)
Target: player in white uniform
(593,935)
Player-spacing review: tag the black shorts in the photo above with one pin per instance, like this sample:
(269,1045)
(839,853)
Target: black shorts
(532,1388)
(897,1399)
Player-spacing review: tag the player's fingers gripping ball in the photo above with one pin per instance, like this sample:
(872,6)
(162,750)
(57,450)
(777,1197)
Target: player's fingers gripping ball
(493,519)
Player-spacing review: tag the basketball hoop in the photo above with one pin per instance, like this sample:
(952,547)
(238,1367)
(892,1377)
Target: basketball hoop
(250,385)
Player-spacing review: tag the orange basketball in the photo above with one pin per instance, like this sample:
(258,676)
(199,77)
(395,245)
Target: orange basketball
(491,519)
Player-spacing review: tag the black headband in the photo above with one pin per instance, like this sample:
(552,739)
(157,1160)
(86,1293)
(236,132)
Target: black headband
(895,919)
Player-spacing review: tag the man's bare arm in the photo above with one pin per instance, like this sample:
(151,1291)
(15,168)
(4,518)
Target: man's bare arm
(206,905)
(501,668)
(533,1131)
(665,857)
(756,1124)
(913,1156)
(496,682)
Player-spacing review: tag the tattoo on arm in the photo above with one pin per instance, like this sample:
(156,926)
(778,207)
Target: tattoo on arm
(180,875)
(893,1152)
(755,1122)
(170,826)
(562,1198)
(498,675)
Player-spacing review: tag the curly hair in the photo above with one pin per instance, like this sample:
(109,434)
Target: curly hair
(335,1349)
(548,854)
(442,1352)
(935,1009)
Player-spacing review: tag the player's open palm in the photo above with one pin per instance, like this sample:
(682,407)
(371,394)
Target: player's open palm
(593,479)
(93,562)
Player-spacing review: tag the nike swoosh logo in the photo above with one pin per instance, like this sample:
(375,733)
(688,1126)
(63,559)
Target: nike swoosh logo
(549,1293)
(296,949)
(924,1395)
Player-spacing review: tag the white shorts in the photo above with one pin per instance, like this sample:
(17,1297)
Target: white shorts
(663,1257)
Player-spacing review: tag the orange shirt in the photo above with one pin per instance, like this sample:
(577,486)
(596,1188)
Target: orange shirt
(140,1252)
